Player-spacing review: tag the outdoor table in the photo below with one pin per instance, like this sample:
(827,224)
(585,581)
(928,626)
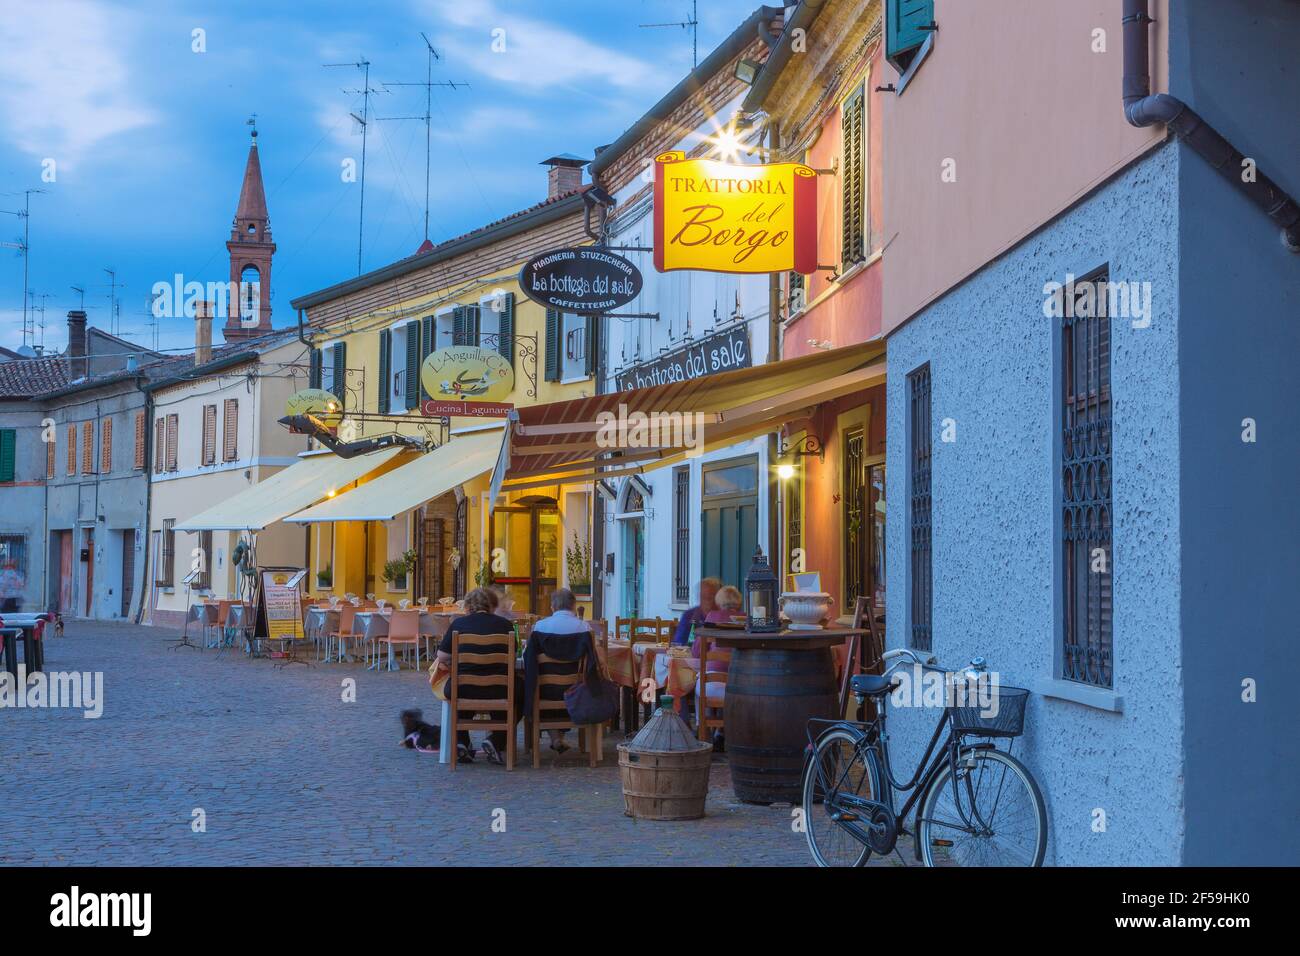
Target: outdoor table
(776,683)
(23,626)
(375,625)
(204,615)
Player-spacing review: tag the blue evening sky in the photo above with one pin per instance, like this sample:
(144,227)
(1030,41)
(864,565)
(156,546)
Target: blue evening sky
(148,138)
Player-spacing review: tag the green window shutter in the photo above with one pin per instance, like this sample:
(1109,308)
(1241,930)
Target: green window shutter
(314,376)
(413,364)
(554,328)
(7,454)
(427,330)
(460,325)
(590,344)
(852,180)
(904,28)
(337,386)
(506,328)
(385,370)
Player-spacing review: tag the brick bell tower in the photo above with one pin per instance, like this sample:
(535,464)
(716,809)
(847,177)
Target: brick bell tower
(250,249)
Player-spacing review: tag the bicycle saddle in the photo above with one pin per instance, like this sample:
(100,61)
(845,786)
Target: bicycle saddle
(870,685)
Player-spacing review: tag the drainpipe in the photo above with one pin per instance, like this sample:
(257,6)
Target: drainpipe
(145,589)
(1143,108)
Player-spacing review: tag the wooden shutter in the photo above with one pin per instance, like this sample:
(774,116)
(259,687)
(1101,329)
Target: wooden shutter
(589,346)
(464,320)
(428,329)
(169,545)
(316,367)
(338,386)
(139,440)
(173,428)
(49,459)
(554,344)
(385,370)
(159,446)
(506,328)
(413,363)
(72,450)
(230,429)
(905,23)
(852,180)
(8,451)
(87,448)
(209,435)
(106,446)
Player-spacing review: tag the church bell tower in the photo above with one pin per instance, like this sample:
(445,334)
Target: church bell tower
(250,248)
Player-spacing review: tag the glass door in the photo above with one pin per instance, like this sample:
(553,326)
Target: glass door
(525,554)
(633,567)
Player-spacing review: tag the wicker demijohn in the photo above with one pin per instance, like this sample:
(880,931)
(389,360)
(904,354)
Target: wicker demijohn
(665,770)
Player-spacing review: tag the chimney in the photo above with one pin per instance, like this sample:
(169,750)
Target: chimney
(203,312)
(77,344)
(564,174)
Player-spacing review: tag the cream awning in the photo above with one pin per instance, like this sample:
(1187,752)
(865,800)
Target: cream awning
(462,459)
(300,485)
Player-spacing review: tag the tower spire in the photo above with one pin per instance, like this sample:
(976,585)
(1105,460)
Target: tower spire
(250,247)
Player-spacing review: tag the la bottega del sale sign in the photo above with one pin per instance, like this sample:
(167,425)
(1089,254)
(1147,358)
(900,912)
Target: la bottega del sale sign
(726,217)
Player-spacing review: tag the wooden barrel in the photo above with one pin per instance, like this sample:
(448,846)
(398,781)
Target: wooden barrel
(771,694)
(663,785)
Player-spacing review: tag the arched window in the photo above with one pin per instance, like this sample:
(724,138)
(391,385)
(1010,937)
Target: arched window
(250,295)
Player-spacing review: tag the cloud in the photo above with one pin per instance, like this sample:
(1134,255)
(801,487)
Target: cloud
(535,54)
(64,82)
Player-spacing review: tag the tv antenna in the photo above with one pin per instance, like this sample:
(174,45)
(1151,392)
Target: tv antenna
(24,250)
(428,85)
(693,24)
(364,121)
(114,309)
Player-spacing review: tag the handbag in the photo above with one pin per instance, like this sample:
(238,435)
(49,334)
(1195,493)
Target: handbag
(593,700)
(438,680)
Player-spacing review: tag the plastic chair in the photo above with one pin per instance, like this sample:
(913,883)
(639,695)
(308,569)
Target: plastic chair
(403,631)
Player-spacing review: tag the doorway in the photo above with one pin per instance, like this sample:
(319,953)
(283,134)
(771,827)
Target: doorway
(525,555)
(87,571)
(128,571)
(729,519)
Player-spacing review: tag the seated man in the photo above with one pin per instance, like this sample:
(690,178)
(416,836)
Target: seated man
(564,636)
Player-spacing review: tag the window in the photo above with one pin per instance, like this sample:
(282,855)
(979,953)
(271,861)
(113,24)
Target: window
(1087,651)
(173,426)
(682,534)
(87,447)
(324,555)
(250,296)
(209,454)
(796,294)
(166,566)
(159,446)
(138,461)
(8,450)
(794,513)
(853,179)
(570,346)
(72,449)
(399,367)
(399,541)
(13,554)
(49,458)
(908,24)
(230,430)
(731,480)
(919,438)
(203,543)
(106,446)
(330,370)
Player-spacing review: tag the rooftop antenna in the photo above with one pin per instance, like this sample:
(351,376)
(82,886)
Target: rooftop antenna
(364,120)
(23,247)
(114,310)
(428,85)
(693,25)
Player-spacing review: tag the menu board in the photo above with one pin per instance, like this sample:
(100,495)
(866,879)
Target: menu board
(282,608)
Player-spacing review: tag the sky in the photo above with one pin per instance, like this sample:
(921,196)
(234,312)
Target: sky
(132,120)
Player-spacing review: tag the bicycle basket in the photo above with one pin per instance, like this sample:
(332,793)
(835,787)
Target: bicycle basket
(1007,721)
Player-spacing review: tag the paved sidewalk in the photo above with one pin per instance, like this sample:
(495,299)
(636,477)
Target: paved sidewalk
(287,773)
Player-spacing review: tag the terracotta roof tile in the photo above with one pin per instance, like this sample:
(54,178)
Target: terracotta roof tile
(27,378)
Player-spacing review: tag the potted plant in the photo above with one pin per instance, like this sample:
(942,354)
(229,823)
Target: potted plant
(325,577)
(483,575)
(396,571)
(577,559)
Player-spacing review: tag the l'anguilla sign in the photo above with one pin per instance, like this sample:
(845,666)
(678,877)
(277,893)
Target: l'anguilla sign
(582,279)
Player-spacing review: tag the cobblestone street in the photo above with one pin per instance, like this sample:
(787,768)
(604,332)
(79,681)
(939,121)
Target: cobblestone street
(287,773)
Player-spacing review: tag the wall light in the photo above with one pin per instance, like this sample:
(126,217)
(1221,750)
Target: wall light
(785,471)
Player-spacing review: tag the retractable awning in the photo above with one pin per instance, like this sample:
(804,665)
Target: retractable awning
(462,459)
(581,439)
(301,484)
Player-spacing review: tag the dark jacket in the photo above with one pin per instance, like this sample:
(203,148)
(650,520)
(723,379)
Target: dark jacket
(570,648)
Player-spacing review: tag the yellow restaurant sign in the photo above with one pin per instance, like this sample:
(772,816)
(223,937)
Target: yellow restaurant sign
(315,401)
(467,373)
(727,217)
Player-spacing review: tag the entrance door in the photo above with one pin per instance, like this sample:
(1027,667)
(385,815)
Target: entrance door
(128,570)
(525,553)
(633,566)
(63,596)
(729,522)
(88,558)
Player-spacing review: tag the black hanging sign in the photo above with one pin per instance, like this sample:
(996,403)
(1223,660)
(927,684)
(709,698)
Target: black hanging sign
(582,279)
(716,352)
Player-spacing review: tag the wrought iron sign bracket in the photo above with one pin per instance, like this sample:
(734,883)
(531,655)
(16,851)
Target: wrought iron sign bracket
(629,315)
(805,447)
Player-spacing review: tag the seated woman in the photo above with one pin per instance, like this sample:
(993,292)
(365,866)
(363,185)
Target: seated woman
(729,602)
(480,617)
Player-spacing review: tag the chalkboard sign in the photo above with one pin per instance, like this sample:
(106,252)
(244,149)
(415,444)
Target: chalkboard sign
(583,279)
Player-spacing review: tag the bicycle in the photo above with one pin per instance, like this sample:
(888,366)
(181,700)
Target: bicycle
(975,804)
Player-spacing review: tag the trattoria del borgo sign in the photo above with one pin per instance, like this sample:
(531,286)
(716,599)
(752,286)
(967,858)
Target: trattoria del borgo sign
(581,279)
(726,217)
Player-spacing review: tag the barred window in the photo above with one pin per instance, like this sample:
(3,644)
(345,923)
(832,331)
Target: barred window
(166,574)
(682,534)
(1087,565)
(204,543)
(919,447)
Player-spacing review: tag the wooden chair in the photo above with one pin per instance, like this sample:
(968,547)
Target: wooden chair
(473,649)
(636,630)
(536,724)
(223,614)
(710,691)
(403,631)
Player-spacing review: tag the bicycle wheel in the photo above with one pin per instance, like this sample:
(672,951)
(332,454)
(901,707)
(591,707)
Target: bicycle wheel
(995,817)
(837,765)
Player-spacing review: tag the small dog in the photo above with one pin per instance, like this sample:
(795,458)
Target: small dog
(419,735)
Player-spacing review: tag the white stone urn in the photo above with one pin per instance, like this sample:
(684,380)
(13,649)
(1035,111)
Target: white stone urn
(805,609)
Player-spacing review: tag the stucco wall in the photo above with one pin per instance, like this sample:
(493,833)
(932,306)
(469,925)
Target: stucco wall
(22,502)
(995,494)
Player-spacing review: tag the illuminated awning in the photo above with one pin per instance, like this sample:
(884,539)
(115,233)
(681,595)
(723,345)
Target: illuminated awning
(300,485)
(462,459)
(573,441)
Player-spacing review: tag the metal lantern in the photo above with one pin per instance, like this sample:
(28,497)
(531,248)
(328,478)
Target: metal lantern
(761,596)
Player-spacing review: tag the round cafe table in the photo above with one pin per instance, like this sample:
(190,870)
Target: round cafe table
(776,683)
